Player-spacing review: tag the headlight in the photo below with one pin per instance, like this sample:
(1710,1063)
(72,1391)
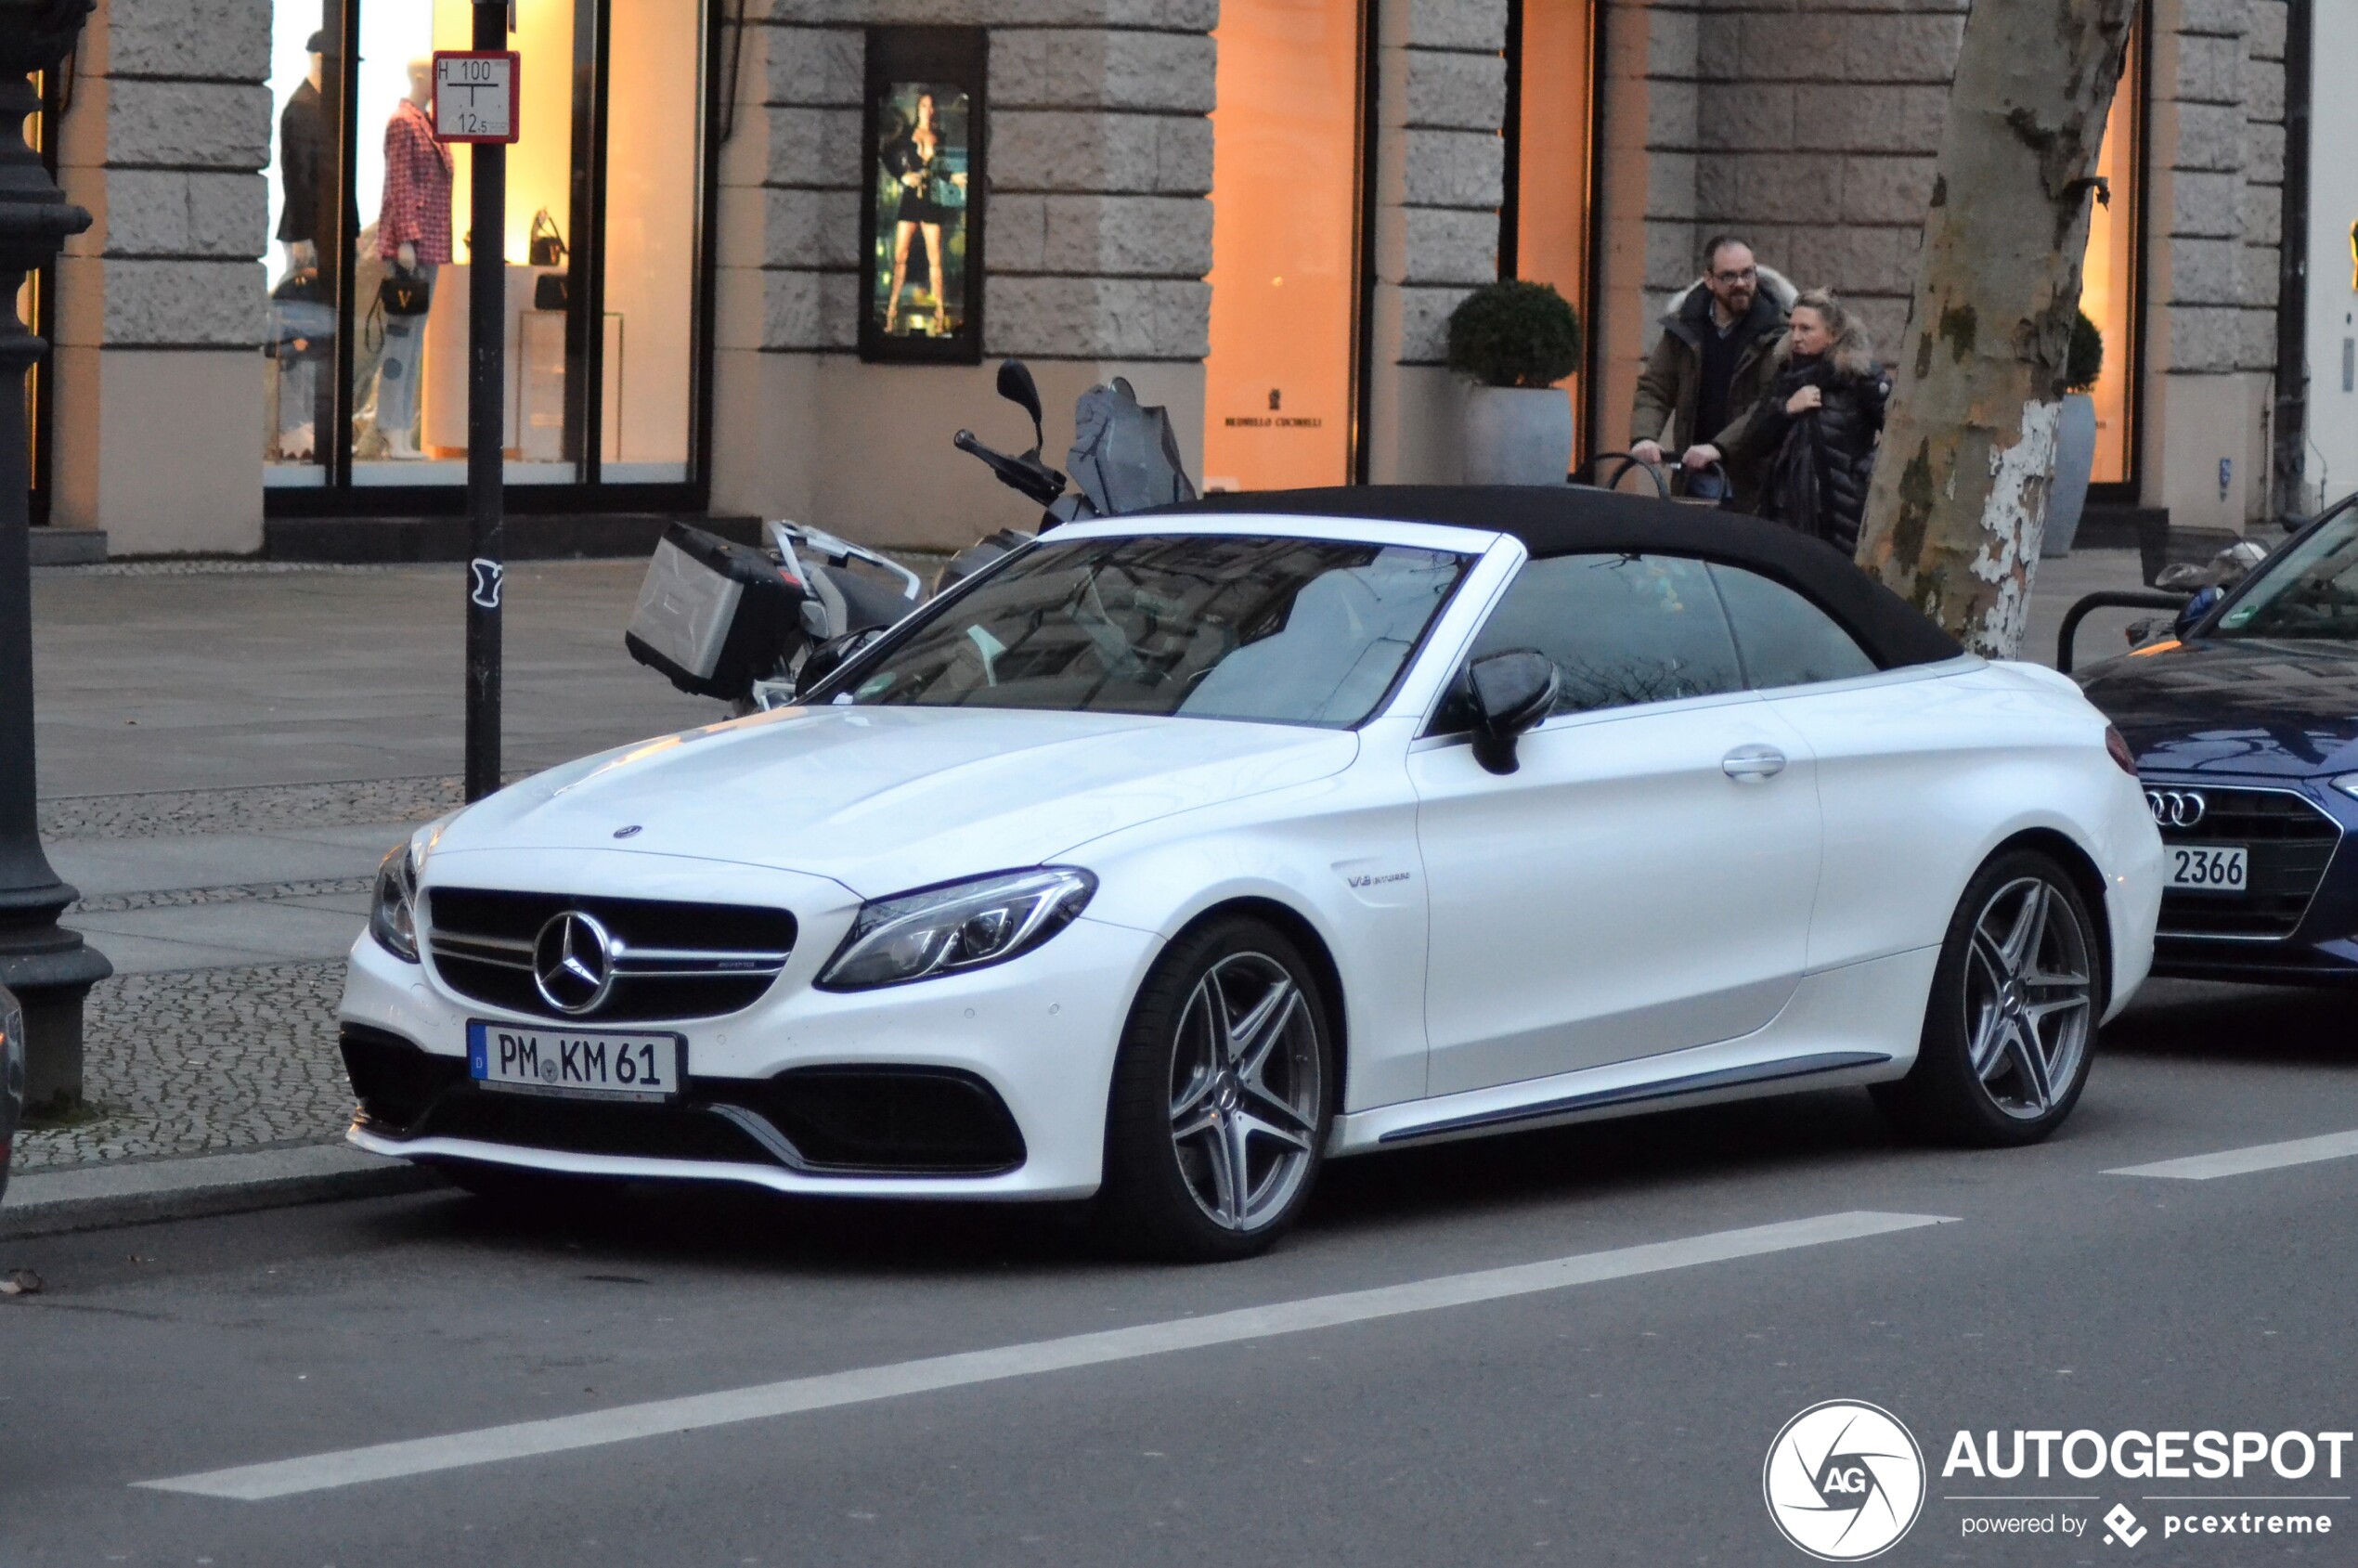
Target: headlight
(958,926)
(2347,783)
(393,917)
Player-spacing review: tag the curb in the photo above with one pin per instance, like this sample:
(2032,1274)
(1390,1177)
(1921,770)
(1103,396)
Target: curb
(99,1197)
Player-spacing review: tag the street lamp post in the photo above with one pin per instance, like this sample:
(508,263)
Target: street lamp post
(46,964)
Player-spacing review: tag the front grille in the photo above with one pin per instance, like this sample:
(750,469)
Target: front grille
(2290,841)
(828,1121)
(672,960)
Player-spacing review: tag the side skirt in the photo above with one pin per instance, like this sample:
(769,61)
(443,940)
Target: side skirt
(1638,1094)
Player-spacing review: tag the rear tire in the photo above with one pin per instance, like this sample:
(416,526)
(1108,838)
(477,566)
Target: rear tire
(2011,1025)
(1222,1097)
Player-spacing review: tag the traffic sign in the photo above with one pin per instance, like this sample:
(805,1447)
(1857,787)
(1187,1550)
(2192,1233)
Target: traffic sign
(475,95)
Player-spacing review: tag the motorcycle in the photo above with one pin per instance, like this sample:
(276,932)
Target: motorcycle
(757,627)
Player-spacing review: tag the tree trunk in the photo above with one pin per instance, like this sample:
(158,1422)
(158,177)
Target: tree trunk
(1959,492)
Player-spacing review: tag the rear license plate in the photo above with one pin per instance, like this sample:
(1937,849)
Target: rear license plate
(573,1063)
(2206,868)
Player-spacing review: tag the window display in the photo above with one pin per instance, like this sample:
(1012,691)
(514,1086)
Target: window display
(922,211)
(1285,197)
(600,247)
(2108,276)
(1544,232)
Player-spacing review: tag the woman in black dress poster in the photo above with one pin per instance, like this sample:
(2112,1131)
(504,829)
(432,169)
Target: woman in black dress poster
(925,170)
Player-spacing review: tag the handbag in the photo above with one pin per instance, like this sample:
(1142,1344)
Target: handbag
(545,247)
(404,293)
(551,291)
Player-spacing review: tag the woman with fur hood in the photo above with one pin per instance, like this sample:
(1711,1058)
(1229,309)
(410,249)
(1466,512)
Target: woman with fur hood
(1814,430)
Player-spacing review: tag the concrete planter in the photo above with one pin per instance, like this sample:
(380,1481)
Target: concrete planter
(2075,459)
(1518,435)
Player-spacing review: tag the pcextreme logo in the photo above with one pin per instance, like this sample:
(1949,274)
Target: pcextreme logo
(1844,1480)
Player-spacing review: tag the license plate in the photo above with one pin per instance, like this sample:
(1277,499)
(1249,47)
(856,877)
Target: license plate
(2206,868)
(578,1064)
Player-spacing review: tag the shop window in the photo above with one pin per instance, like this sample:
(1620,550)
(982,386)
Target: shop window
(35,301)
(1279,383)
(1544,227)
(2109,286)
(600,247)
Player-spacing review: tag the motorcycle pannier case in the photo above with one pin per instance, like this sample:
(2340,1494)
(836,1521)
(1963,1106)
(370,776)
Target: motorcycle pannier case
(714,616)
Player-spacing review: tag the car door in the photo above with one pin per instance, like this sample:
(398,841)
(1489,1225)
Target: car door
(1642,882)
(1888,747)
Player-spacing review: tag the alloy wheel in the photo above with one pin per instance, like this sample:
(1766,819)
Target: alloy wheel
(2028,997)
(1245,1091)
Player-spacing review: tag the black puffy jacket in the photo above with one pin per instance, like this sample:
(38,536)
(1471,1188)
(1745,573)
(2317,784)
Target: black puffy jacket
(1817,464)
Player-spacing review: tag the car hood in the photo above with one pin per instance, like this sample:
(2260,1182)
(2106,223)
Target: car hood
(2236,705)
(885,798)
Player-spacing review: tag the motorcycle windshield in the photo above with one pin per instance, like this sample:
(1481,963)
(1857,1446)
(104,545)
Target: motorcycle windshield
(1273,630)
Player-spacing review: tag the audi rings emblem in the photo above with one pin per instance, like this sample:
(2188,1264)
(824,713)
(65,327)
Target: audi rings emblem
(2175,808)
(573,963)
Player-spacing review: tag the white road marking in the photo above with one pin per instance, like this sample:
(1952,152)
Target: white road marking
(2243,1162)
(592,1429)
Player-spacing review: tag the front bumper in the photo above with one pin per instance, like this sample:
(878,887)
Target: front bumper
(1026,1047)
(2317,943)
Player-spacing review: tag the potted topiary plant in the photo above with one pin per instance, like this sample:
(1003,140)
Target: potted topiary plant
(2075,439)
(1517,341)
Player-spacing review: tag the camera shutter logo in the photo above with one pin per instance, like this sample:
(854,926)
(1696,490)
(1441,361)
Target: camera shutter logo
(2176,807)
(1844,1481)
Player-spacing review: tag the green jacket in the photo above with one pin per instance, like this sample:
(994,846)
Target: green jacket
(1672,382)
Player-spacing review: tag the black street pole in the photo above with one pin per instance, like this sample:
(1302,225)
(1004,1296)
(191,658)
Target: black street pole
(46,964)
(486,432)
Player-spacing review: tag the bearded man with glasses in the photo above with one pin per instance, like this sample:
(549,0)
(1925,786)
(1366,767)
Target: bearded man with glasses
(1709,367)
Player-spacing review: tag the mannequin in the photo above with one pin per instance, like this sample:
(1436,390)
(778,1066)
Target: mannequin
(413,232)
(305,154)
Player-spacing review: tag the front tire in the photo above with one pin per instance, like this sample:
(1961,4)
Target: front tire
(2012,1021)
(1222,1097)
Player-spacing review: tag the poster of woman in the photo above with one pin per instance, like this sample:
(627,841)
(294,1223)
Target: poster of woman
(922,218)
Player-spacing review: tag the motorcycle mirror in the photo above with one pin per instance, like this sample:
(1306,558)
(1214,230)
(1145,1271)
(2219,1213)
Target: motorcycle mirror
(1017,386)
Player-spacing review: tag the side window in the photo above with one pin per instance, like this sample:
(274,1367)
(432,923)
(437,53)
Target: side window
(1622,629)
(1783,638)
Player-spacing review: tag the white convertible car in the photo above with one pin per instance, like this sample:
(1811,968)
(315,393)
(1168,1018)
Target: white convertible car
(1180,852)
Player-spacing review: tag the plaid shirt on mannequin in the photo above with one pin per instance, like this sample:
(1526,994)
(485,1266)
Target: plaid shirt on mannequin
(416,199)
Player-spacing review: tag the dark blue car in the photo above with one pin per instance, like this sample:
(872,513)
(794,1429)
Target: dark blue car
(2244,723)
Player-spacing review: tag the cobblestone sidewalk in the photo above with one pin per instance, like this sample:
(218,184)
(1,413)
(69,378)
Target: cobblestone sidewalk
(205,1061)
(256,809)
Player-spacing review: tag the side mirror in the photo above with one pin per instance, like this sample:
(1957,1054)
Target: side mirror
(1017,386)
(2196,608)
(830,656)
(1512,693)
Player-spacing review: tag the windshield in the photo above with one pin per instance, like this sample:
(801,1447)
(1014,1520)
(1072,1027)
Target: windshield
(1289,631)
(2309,591)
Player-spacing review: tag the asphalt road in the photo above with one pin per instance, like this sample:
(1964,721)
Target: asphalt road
(1573,1419)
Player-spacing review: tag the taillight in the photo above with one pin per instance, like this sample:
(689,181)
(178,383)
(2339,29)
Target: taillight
(2119,750)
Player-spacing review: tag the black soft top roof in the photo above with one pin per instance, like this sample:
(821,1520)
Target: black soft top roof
(1575,519)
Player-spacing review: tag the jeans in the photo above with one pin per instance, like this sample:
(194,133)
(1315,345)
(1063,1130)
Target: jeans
(397,373)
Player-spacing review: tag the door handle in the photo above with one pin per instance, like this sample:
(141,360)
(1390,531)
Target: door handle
(1753,764)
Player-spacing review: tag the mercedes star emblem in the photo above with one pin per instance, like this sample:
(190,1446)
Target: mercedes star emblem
(2175,808)
(573,963)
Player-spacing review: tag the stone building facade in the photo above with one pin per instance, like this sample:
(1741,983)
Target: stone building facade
(1811,128)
